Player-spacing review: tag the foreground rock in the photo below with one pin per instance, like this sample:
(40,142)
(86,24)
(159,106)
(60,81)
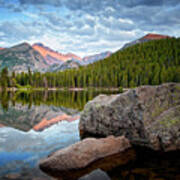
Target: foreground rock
(70,163)
(148,116)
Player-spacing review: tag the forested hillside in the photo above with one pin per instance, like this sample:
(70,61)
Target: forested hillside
(152,62)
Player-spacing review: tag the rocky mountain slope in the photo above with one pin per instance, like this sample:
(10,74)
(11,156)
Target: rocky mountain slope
(96,57)
(54,57)
(148,37)
(66,65)
(21,57)
(38,57)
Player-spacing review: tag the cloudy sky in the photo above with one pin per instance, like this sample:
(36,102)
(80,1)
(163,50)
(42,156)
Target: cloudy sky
(85,26)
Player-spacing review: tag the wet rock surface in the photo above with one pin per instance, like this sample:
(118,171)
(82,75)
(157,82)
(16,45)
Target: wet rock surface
(148,116)
(96,175)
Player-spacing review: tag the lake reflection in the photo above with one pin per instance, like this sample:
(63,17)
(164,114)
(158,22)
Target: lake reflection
(68,99)
(35,124)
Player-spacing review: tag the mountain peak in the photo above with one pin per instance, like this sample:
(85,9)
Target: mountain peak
(152,36)
(147,37)
(38,44)
(23,44)
(22,47)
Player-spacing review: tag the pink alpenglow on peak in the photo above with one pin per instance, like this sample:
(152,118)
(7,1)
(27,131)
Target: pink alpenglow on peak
(151,36)
(52,56)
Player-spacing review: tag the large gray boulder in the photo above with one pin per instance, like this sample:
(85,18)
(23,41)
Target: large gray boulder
(148,116)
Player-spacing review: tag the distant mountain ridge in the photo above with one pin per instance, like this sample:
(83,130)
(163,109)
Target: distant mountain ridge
(148,37)
(54,57)
(39,57)
(96,57)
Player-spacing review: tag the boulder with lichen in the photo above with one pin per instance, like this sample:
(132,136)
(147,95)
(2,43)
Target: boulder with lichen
(148,116)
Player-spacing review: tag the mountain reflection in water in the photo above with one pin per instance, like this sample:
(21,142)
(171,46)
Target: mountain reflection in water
(35,124)
(20,151)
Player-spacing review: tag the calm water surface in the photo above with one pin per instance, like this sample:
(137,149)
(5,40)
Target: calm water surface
(32,125)
(35,124)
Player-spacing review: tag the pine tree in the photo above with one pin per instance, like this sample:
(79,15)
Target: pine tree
(4,78)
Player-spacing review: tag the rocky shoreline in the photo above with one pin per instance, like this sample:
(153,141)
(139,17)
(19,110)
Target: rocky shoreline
(147,117)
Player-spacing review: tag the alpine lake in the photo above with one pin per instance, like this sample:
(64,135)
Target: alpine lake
(34,124)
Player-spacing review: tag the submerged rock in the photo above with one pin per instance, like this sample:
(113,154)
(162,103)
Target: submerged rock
(97,174)
(148,116)
(77,160)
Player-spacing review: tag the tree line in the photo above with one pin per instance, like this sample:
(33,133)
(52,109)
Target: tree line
(149,63)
